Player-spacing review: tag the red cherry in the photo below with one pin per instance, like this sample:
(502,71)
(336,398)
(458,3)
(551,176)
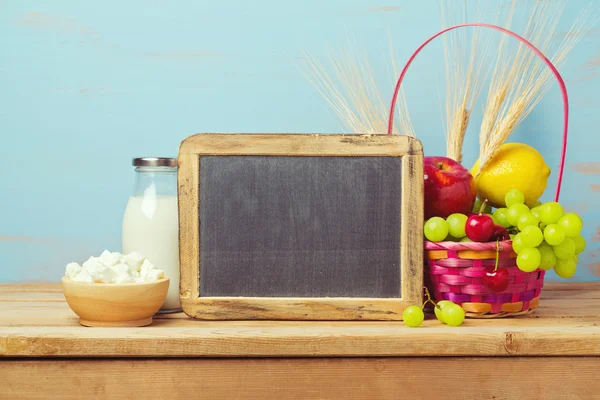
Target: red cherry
(500,233)
(496,281)
(479,228)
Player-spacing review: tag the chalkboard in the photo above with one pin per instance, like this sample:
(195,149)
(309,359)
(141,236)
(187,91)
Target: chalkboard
(300,226)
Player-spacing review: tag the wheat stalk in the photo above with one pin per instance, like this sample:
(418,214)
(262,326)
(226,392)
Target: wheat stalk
(515,91)
(351,92)
(463,82)
(518,79)
(498,89)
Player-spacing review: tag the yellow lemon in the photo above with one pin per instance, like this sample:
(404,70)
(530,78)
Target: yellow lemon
(515,166)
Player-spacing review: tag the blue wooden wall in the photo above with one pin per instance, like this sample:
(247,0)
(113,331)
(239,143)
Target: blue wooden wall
(86,86)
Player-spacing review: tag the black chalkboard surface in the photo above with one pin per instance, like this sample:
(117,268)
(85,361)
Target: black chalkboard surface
(290,226)
(300,226)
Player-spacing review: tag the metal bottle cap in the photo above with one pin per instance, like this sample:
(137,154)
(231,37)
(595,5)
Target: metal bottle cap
(154,162)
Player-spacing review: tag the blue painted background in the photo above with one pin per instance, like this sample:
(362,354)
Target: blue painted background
(86,86)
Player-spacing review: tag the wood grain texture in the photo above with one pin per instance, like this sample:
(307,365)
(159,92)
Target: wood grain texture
(411,243)
(333,378)
(194,148)
(26,287)
(38,296)
(189,240)
(290,308)
(115,305)
(567,323)
(177,339)
(306,144)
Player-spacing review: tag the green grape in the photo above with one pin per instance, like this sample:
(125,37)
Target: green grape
(453,314)
(456,225)
(514,196)
(413,316)
(536,212)
(465,239)
(527,219)
(579,244)
(565,250)
(477,207)
(542,226)
(554,234)
(571,223)
(517,243)
(536,204)
(436,229)
(438,311)
(548,258)
(515,211)
(451,238)
(551,212)
(496,222)
(512,236)
(529,260)
(501,217)
(532,236)
(566,268)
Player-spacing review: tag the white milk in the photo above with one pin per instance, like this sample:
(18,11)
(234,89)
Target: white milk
(150,227)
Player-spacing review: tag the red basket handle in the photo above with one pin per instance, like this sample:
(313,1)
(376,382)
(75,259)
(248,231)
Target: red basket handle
(561,83)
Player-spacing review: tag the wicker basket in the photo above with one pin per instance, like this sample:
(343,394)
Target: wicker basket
(453,271)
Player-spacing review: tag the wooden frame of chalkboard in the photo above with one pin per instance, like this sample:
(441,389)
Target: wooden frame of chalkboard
(406,149)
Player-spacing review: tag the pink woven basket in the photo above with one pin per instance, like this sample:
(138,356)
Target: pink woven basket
(454,271)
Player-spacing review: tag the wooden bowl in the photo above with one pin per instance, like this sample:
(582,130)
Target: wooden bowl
(108,304)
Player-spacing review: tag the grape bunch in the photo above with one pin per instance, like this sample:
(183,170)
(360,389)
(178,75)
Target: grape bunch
(544,236)
(446,311)
(476,227)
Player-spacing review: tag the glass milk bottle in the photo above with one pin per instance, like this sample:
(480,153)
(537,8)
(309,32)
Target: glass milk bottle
(150,223)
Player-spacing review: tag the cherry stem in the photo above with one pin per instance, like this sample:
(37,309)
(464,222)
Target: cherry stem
(483,204)
(497,254)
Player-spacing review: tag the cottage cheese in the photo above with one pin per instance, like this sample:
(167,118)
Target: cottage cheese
(112,267)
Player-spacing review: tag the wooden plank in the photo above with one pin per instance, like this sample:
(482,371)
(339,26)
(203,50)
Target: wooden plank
(558,305)
(39,296)
(411,243)
(294,144)
(30,287)
(339,378)
(32,312)
(188,198)
(289,308)
(166,338)
(561,326)
(41,314)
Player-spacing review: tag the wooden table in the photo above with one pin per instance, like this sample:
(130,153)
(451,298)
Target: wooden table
(552,353)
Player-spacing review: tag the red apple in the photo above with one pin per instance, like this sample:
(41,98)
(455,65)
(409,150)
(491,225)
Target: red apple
(449,188)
